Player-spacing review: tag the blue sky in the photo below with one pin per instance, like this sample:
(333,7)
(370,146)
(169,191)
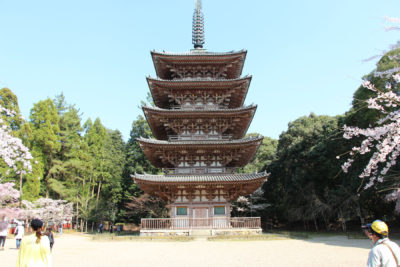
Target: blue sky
(305,56)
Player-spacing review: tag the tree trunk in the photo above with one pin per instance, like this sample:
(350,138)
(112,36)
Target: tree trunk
(47,185)
(92,227)
(90,182)
(326,222)
(48,177)
(20,190)
(315,223)
(343,221)
(98,194)
(359,214)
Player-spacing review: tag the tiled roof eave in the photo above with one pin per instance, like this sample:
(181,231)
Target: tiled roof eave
(244,141)
(160,59)
(197,54)
(204,179)
(140,181)
(215,111)
(199,81)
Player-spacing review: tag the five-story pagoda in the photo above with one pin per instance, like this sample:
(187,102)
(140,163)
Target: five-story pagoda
(199,122)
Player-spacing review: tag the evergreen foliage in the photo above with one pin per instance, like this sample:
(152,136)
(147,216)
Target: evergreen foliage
(91,166)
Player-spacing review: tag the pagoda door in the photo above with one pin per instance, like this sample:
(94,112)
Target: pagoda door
(200,218)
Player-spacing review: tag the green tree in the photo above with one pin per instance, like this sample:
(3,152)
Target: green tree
(305,171)
(9,101)
(45,138)
(95,138)
(72,176)
(136,162)
(114,165)
(265,155)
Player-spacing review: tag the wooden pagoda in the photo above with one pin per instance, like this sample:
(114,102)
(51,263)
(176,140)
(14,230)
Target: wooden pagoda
(199,122)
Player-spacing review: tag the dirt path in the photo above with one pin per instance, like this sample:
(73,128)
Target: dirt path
(78,250)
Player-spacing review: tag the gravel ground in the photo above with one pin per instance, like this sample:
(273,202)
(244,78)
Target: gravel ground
(78,250)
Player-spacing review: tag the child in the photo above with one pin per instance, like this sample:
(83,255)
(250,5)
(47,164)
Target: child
(19,233)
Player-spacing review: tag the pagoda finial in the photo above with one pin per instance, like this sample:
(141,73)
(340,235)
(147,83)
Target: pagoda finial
(198,4)
(198,26)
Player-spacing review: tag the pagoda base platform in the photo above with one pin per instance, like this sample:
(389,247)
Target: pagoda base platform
(201,227)
(202,232)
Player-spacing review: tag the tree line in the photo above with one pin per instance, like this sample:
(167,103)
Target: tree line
(83,163)
(90,166)
(311,185)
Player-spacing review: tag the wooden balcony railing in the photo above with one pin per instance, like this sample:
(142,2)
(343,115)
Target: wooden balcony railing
(198,223)
(201,107)
(199,170)
(191,137)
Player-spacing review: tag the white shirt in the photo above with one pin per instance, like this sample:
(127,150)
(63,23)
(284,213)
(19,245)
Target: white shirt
(20,232)
(4,232)
(381,256)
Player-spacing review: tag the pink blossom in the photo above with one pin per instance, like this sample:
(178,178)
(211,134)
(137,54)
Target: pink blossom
(48,209)
(392,19)
(384,137)
(396,77)
(369,85)
(13,152)
(9,200)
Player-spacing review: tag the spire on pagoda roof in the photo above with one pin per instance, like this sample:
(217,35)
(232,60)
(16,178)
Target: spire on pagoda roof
(198,26)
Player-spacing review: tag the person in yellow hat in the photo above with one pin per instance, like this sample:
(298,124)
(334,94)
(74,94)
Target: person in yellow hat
(385,253)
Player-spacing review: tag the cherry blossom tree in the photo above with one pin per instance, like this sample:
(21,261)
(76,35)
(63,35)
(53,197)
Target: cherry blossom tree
(49,210)
(12,151)
(251,203)
(18,158)
(9,201)
(383,138)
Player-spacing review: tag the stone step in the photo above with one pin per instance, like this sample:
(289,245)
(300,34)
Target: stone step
(200,232)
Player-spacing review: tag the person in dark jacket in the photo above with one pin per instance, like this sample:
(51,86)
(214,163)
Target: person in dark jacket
(50,236)
(3,233)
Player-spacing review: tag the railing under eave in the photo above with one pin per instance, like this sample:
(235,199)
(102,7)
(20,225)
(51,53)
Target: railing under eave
(199,170)
(199,137)
(202,223)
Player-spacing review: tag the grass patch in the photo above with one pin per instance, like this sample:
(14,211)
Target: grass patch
(113,237)
(123,233)
(290,234)
(356,235)
(69,231)
(261,237)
